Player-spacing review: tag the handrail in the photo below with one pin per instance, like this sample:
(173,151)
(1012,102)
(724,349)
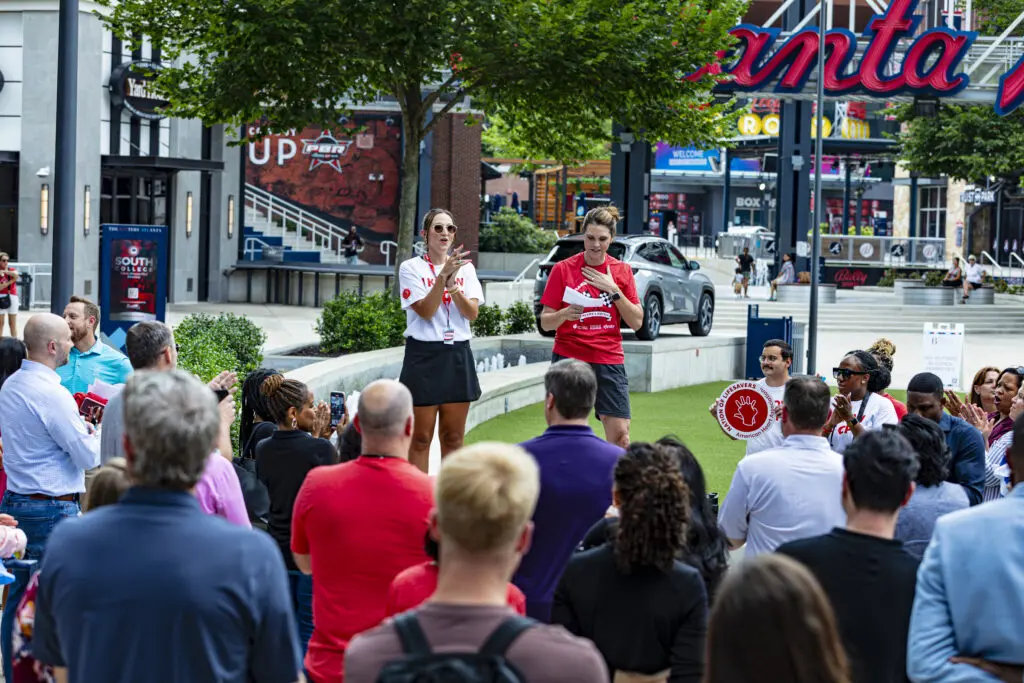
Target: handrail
(1015,255)
(522,274)
(998,268)
(323,234)
(385,249)
(249,247)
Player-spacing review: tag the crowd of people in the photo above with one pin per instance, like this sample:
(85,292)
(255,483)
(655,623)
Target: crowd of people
(861,541)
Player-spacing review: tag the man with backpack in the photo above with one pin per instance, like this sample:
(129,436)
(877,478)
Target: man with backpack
(484,496)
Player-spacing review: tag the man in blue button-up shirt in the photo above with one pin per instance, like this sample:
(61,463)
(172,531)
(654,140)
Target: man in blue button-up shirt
(925,397)
(47,448)
(90,359)
(970,591)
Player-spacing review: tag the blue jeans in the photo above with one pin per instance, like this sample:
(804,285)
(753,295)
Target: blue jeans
(37,518)
(302,602)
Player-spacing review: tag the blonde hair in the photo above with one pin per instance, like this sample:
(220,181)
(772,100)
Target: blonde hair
(109,484)
(603,216)
(485,495)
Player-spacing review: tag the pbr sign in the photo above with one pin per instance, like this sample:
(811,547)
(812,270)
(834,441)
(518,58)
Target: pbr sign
(745,410)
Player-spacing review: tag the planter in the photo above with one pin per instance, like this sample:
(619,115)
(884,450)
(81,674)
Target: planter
(928,296)
(983,296)
(801,294)
(899,285)
(509,263)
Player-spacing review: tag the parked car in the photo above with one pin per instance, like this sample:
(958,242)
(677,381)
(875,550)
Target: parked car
(668,284)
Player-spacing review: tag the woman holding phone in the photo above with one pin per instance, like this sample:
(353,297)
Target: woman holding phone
(440,295)
(282,462)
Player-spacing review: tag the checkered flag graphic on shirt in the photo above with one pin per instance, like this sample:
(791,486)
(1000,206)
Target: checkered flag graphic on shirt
(606,299)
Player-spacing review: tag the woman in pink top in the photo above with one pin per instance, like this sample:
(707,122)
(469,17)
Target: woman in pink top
(219,492)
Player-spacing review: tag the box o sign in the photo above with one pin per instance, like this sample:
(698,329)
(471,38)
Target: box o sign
(745,410)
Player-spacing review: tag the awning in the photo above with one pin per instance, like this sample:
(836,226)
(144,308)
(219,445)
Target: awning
(489,172)
(161,163)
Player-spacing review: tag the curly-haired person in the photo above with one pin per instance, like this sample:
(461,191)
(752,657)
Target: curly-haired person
(644,609)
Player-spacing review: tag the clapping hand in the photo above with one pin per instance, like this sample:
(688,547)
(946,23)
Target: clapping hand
(456,260)
(842,409)
(977,416)
(953,403)
(225,381)
(601,281)
(322,423)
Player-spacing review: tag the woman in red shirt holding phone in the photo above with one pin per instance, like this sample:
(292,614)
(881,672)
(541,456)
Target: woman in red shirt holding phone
(584,300)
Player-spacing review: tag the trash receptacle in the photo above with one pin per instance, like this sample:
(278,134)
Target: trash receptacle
(24,291)
(760,330)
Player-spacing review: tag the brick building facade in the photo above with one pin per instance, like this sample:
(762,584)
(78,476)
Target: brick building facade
(455,181)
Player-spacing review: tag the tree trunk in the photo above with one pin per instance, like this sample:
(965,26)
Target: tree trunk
(410,184)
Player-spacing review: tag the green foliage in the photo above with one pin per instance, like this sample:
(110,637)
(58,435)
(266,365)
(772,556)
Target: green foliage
(519,318)
(489,321)
(209,345)
(995,15)
(499,141)
(969,142)
(887,280)
(350,323)
(1001,286)
(513,233)
(933,278)
(554,72)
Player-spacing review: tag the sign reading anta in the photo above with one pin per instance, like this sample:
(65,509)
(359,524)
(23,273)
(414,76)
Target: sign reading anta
(930,64)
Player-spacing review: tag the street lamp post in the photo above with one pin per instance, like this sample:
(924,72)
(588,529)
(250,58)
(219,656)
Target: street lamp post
(63,267)
(812,319)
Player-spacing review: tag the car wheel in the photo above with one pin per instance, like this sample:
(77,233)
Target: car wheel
(543,332)
(651,328)
(701,327)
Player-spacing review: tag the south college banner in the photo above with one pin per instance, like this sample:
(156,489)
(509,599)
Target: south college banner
(133,278)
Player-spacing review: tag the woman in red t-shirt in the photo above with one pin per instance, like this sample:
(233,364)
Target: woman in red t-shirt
(9,287)
(584,300)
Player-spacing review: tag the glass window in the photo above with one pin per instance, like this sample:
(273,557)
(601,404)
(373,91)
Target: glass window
(932,214)
(655,252)
(678,260)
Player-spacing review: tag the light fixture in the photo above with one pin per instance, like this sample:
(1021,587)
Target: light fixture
(762,187)
(44,209)
(231,216)
(188,214)
(86,210)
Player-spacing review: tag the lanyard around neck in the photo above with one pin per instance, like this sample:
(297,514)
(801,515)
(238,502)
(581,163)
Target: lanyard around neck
(446,298)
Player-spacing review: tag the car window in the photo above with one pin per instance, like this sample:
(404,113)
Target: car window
(655,252)
(678,260)
(564,250)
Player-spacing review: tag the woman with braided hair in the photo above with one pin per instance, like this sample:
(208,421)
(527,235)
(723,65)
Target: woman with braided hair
(256,422)
(282,462)
(645,610)
(883,350)
(857,407)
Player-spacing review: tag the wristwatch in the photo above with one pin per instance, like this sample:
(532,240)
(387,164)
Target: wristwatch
(852,422)
(616,296)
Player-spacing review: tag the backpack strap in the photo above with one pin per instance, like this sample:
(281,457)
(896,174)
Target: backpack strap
(501,640)
(414,641)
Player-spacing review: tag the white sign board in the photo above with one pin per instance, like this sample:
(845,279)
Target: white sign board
(943,352)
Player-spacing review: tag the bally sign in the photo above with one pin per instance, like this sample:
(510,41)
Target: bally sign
(131,87)
(930,64)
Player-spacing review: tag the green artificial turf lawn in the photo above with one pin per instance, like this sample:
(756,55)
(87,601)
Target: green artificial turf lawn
(683,412)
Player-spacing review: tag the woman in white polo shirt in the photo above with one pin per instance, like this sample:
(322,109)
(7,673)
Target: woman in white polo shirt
(858,407)
(440,295)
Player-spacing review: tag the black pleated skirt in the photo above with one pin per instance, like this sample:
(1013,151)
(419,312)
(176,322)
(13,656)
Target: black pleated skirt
(437,373)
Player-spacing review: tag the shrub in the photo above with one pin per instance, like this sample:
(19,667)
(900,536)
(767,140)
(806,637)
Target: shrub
(350,323)
(512,233)
(888,279)
(933,278)
(1000,286)
(208,345)
(519,318)
(489,321)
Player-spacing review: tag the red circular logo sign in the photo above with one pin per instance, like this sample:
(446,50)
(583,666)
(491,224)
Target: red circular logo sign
(406,293)
(745,410)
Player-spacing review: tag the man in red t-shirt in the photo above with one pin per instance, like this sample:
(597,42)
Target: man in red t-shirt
(584,299)
(358,525)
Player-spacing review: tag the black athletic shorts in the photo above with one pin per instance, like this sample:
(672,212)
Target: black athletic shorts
(612,389)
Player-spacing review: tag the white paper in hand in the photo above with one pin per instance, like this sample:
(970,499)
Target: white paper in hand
(574,298)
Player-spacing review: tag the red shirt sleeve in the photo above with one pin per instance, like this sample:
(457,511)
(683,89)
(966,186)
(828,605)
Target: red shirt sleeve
(300,541)
(516,600)
(555,288)
(626,283)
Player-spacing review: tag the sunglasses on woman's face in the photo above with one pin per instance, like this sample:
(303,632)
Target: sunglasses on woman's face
(442,229)
(845,373)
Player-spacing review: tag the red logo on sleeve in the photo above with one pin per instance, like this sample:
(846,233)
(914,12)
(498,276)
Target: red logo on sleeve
(406,293)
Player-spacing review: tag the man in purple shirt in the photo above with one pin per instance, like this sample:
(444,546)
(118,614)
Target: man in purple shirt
(576,468)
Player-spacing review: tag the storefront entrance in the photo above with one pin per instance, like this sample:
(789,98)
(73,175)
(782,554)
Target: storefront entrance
(135,196)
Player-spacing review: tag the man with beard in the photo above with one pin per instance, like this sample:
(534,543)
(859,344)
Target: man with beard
(776,360)
(90,359)
(47,448)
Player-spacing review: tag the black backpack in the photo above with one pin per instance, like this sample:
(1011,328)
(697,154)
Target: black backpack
(422,665)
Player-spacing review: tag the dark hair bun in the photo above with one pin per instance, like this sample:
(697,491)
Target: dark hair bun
(272,385)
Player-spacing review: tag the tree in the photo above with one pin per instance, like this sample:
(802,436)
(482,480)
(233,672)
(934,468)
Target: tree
(500,140)
(555,71)
(969,142)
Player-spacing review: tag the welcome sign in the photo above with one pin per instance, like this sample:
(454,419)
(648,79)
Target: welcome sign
(930,64)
